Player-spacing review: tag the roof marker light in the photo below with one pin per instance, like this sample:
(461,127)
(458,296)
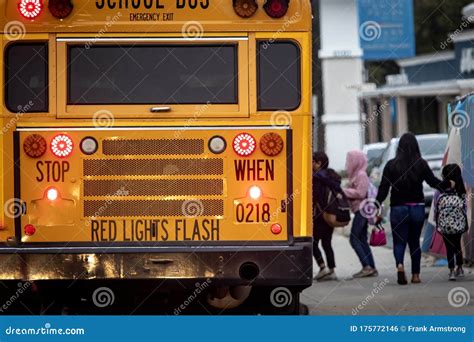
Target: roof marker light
(30,9)
(276,8)
(60,8)
(245,8)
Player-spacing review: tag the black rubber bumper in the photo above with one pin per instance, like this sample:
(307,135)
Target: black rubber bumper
(266,265)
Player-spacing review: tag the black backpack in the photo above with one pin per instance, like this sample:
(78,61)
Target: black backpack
(339,214)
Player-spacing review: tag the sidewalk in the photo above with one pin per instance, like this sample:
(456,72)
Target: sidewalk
(382,295)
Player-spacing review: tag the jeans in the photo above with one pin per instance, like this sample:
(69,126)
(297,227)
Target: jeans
(453,249)
(358,240)
(323,233)
(407,222)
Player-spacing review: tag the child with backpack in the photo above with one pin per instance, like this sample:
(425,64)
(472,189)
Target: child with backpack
(356,192)
(451,218)
(328,213)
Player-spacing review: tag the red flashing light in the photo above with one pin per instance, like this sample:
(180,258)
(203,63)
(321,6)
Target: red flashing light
(52,194)
(30,230)
(30,9)
(61,145)
(60,8)
(276,8)
(244,144)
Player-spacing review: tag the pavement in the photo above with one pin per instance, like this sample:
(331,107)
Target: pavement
(382,295)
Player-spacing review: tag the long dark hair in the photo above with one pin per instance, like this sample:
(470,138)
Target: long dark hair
(453,173)
(408,155)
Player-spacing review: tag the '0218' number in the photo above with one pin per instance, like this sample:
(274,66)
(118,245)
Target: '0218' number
(251,213)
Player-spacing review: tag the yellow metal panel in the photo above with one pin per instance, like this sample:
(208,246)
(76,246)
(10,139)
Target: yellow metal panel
(207,16)
(69,218)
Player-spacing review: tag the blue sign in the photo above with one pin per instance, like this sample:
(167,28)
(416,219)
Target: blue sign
(236,329)
(386,29)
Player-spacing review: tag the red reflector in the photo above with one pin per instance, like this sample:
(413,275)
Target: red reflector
(276,8)
(60,8)
(276,228)
(35,146)
(61,145)
(30,9)
(244,144)
(30,230)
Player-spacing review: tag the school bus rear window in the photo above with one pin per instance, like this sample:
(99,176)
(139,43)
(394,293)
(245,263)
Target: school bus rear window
(279,85)
(26,77)
(152,74)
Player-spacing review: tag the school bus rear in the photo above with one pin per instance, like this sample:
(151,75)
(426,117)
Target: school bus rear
(157,140)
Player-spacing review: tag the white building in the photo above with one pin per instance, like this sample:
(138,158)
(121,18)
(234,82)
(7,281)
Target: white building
(342,76)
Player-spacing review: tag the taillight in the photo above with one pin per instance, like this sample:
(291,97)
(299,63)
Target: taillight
(271,144)
(276,8)
(61,145)
(52,194)
(30,9)
(60,8)
(244,144)
(245,8)
(35,146)
(29,230)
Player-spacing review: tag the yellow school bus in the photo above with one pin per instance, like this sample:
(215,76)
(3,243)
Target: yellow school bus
(158,140)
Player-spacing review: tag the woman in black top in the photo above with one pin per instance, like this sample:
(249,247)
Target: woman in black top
(404,176)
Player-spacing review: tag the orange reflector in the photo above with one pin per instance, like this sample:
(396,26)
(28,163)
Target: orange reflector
(245,8)
(35,146)
(271,144)
(276,228)
(30,230)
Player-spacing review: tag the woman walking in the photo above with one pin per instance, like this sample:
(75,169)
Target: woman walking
(324,180)
(404,176)
(356,192)
(451,219)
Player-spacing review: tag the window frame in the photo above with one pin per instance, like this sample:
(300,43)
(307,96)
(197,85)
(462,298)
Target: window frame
(132,111)
(299,69)
(33,38)
(303,40)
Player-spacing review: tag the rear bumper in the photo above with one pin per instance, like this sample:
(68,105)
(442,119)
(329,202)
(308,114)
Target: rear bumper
(277,265)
